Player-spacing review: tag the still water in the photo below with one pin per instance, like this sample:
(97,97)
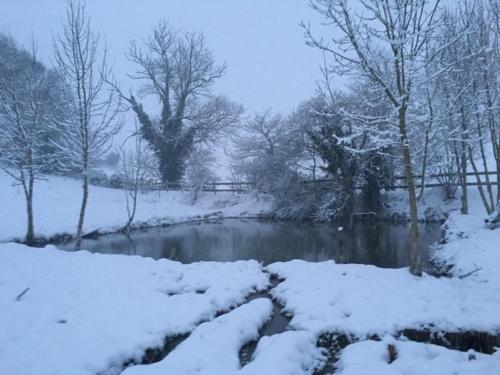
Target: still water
(380,244)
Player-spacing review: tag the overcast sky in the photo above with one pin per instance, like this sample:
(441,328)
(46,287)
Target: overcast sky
(269,65)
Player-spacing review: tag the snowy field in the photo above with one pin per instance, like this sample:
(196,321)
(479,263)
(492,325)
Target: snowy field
(57,204)
(84,314)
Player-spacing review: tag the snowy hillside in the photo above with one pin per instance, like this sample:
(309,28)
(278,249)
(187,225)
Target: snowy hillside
(57,200)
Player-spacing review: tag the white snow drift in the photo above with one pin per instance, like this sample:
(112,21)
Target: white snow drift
(86,313)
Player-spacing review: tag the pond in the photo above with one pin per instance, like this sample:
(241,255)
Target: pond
(381,244)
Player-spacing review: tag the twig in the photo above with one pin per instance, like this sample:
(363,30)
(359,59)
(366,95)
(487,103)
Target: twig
(18,298)
(470,273)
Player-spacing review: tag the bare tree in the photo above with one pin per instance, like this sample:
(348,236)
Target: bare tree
(469,92)
(483,44)
(261,154)
(178,69)
(494,13)
(134,169)
(268,154)
(199,171)
(428,95)
(93,109)
(260,135)
(27,118)
(386,44)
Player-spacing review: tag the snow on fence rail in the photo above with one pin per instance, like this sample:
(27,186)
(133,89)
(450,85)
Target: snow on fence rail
(430,181)
(235,187)
(322,183)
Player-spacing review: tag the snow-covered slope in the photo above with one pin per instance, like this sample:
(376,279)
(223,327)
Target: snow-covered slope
(57,203)
(471,248)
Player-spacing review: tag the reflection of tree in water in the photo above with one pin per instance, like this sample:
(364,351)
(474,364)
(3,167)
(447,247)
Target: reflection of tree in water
(171,248)
(369,240)
(132,248)
(382,244)
(308,241)
(347,247)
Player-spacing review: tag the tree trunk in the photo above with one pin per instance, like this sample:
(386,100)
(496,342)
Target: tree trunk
(30,232)
(414,248)
(426,145)
(487,206)
(495,136)
(171,166)
(495,145)
(171,146)
(131,211)
(464,208)
(424,164)
(81,218)
(463,162)
(485,164)
(498,180)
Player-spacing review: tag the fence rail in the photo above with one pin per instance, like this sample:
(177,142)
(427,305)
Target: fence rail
(430,181)
(234,187)
(238,187)
(441,175)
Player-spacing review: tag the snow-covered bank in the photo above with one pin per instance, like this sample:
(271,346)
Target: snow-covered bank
(363,300)
(85,313)
(471,249)
(57,203)
(372,357)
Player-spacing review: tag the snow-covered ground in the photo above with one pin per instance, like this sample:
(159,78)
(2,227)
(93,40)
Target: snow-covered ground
(87,313)
(471,248)
(84,313)
(212,348)
(57,203)
(363,300)
(372,357)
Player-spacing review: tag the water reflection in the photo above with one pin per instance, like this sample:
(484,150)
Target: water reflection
(381,244)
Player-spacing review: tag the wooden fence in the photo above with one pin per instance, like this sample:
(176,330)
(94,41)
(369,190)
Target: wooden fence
(430,181)
(324,183)
(433,180)
(234,187)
